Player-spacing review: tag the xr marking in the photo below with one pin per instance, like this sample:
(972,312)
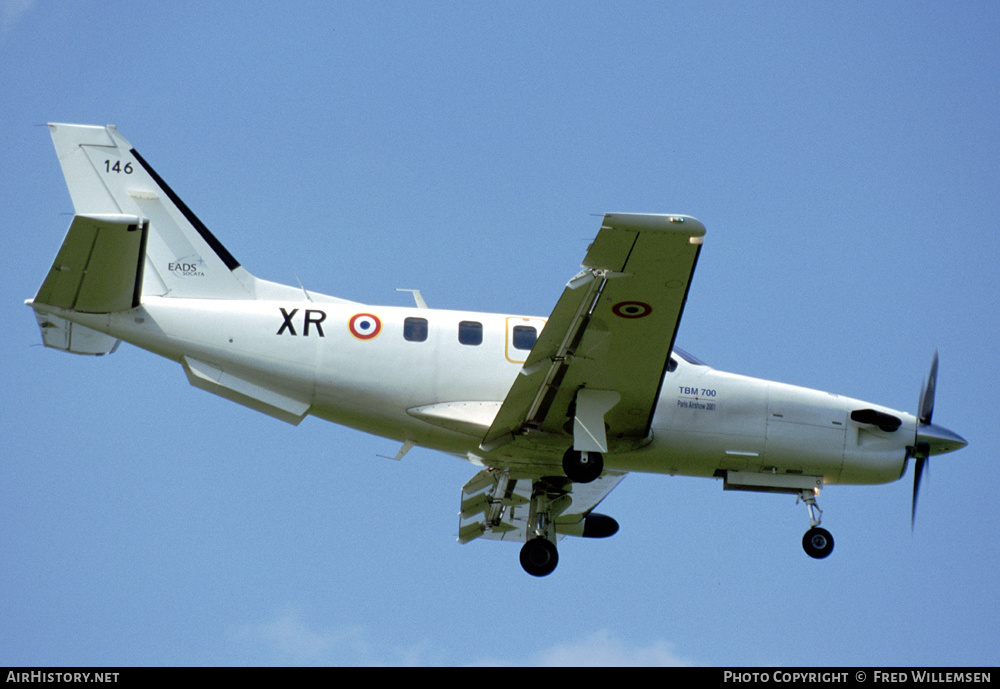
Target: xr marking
(312,316)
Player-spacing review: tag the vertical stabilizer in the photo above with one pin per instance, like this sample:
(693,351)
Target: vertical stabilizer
(107,177)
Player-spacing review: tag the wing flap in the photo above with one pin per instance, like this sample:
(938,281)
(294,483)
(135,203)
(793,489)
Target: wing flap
(495,505)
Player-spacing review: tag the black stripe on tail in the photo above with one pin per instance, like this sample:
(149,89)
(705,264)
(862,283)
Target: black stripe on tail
(205,233)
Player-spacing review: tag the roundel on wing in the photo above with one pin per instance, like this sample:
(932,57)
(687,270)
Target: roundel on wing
(632,309)
(365,326)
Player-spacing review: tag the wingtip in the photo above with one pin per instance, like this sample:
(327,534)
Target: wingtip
(661,222)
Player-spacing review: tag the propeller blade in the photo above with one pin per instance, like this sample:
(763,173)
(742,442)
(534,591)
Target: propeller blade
(918,470)
(922,450)
(926,408)
(929,439)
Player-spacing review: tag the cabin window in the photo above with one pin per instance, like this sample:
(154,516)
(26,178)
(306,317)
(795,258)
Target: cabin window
(470,332)
(415,329)
(524,337)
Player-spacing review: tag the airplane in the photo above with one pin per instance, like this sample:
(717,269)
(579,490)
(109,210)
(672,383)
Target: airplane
(554,412)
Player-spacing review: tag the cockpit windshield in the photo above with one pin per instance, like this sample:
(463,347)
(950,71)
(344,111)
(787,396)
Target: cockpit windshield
(688,358)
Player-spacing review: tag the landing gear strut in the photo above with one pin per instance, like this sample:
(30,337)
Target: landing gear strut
(539,556)
(817,542)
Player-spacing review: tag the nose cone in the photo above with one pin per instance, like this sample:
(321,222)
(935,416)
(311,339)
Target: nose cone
(938,439)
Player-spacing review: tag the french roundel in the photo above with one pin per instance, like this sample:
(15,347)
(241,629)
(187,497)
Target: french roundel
(365,326)
(632,309)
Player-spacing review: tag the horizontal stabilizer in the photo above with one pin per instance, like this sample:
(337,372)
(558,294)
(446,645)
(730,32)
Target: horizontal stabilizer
(99,266)
(59,333)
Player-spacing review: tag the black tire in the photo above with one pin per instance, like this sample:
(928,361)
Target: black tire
(817,543)
(582,467)
(539,557)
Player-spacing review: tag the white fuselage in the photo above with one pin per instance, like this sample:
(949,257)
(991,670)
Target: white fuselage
(442,394)
(554,410)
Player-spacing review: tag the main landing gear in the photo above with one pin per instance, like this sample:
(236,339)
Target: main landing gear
(582,467)
(550,500)
(539,556)
(817,542)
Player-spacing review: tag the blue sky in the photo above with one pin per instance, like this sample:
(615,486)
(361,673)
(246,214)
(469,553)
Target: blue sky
(842,156)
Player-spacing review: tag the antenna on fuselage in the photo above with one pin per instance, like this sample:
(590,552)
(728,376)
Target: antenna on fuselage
(304,291)
(417,297)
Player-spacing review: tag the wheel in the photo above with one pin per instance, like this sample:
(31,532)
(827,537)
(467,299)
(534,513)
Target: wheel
(582,467)
(539,557)
(817,543)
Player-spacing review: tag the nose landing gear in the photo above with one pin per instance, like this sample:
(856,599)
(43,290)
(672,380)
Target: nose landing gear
(817,543)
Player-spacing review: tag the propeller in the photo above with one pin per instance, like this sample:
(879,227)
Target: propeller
(921,449)
(930,439)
